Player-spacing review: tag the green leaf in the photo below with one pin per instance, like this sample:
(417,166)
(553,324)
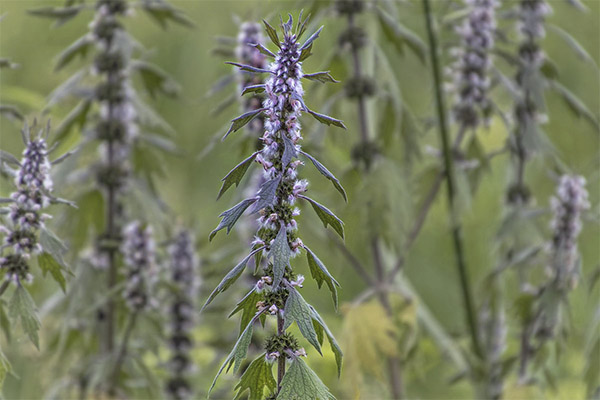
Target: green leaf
(236,174)
(79,48)
(77,117)
(6,157)
(311,39)
(247,306)
(325,172)
(48,264)
(91,214)
(231,216)
(239,122)
(22,307)
(320,274)
(248,68)
(53,245)
(322,77)
(11,112)
(320,326)
(253,89)
(400,36)
(163,13)
(272,33)
(156,80)
(305,53)
(326,119)
(266,194)
(5,368)
(575,104)
(62,14)
(573,44)
(297,310)
(281,253)
(301,383)
(5,322)
(262,49)
(326,216)
(230,278)
(289,150)
(239,352)
(257,377)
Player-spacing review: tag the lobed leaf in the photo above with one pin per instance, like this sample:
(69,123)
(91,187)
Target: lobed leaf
(236,174)
(281,253)
(231,216)
(326,216)
(326,119)
(247,306)
(266,194)
(22,307)
(52,245)
(320,274)
(239,122)
(322,77)
(321,327)
(301,383)
(325,172)
(299,311)
(49,264)
(79,48)
(257,377)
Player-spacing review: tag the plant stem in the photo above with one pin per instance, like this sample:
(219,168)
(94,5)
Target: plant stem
(122,354)
(362,109)
(281,359)
(449,170)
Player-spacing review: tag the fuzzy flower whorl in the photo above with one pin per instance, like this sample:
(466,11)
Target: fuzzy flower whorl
(139,255)
(571,199)
(471,80)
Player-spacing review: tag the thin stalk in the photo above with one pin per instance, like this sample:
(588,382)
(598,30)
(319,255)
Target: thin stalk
(112,266)
(362,109)
(281,359)
(450,176)
(122,354)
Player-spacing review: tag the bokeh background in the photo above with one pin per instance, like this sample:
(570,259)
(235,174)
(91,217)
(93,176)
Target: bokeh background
(190,185)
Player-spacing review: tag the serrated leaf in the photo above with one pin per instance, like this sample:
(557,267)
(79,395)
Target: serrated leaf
(62,14)
(48,264)
(163,13)
(231,216)
(272,33)
(325,172)
(281,254)
(247,306)
(320,274)
(297,310)
(301,383)
(236,174)
(249,68)
(253,89)
(79,48)
(266,194)
(575,104)
(326,119)
(263,49)
(311,39)
(289,150)
(239,352)
(239,122)
(322,77)
(53,245)
(77,117)
(230,278)
(22,307)
(257,377)
(326,216)
(320,326)
(400,36)
(156,80)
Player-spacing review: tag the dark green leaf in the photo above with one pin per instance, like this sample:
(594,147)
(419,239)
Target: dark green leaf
(61,15)
(48,264)
(400,36)
(266,194)
(22,307)
(77,117)
(235,175)
(248,68)
(322,77)
(281,253)
(230,278)
(253,89)
(164,13)
(301,383)
(327,120)
(297,310)
(156,80)
(11,112)
(247,306)
(272,33)
(289,150)
(311,39)
(325,172)
(239,122)
(320,274)
(320,326)
(79,48)
(53,245)
(231,216)
(305,53)
(326,216)
(257,377)
(575,104)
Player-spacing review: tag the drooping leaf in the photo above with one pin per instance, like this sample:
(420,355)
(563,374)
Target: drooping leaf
(575,104)
(247,306)
(155,80)
(11,112)
(62,14)
(326,216)
(253,89)
(239,122)
(301,383)
(320,274)
(257,377)
(79,48)
(266,194)
(53,245)
(573,44)
(76,118)
(323,77)
(297,310)
(249,68)
(311,39)
(21,307)
(289,150)
(230,278)
(236,174)
(263,49)
(281,253)
(326,119)
(400,36)
(5,368)
(272,33)
(231,216)
(325,172)
(48,264)
(321,327)
(6,157)
(163,13)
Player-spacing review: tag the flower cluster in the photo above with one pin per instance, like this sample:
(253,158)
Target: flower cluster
(33,190)
(471,80)
(571,199)
(183,275)
(138,250)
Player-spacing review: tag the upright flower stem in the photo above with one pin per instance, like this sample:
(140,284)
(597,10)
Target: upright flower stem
(122,354)
(281,360)
(451,193)
(362,109)
(112,265)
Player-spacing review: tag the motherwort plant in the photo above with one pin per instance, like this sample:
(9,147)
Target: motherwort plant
(277,293)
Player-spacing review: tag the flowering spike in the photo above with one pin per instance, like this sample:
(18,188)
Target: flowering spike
(139,254)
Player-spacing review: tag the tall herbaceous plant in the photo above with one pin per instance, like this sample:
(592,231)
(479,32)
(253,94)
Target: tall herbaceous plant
(276,294)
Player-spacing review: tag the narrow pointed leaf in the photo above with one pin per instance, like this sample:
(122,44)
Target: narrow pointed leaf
(400,36)
(325,172)
(323,77)
(253,89)
(326,216)
(335,347)
(272,33)
(235,175)
(289,150)
(79,48)
(247,306)
(326,119)
(239,122)
(320,274)
(62,14)
(48,264)
(6,157)
(311,39)
(267,193)
(297,310)
(281,253)
(231,216)
(306,52)
(156,80)
(575,104)
(263,50)
(249,68)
